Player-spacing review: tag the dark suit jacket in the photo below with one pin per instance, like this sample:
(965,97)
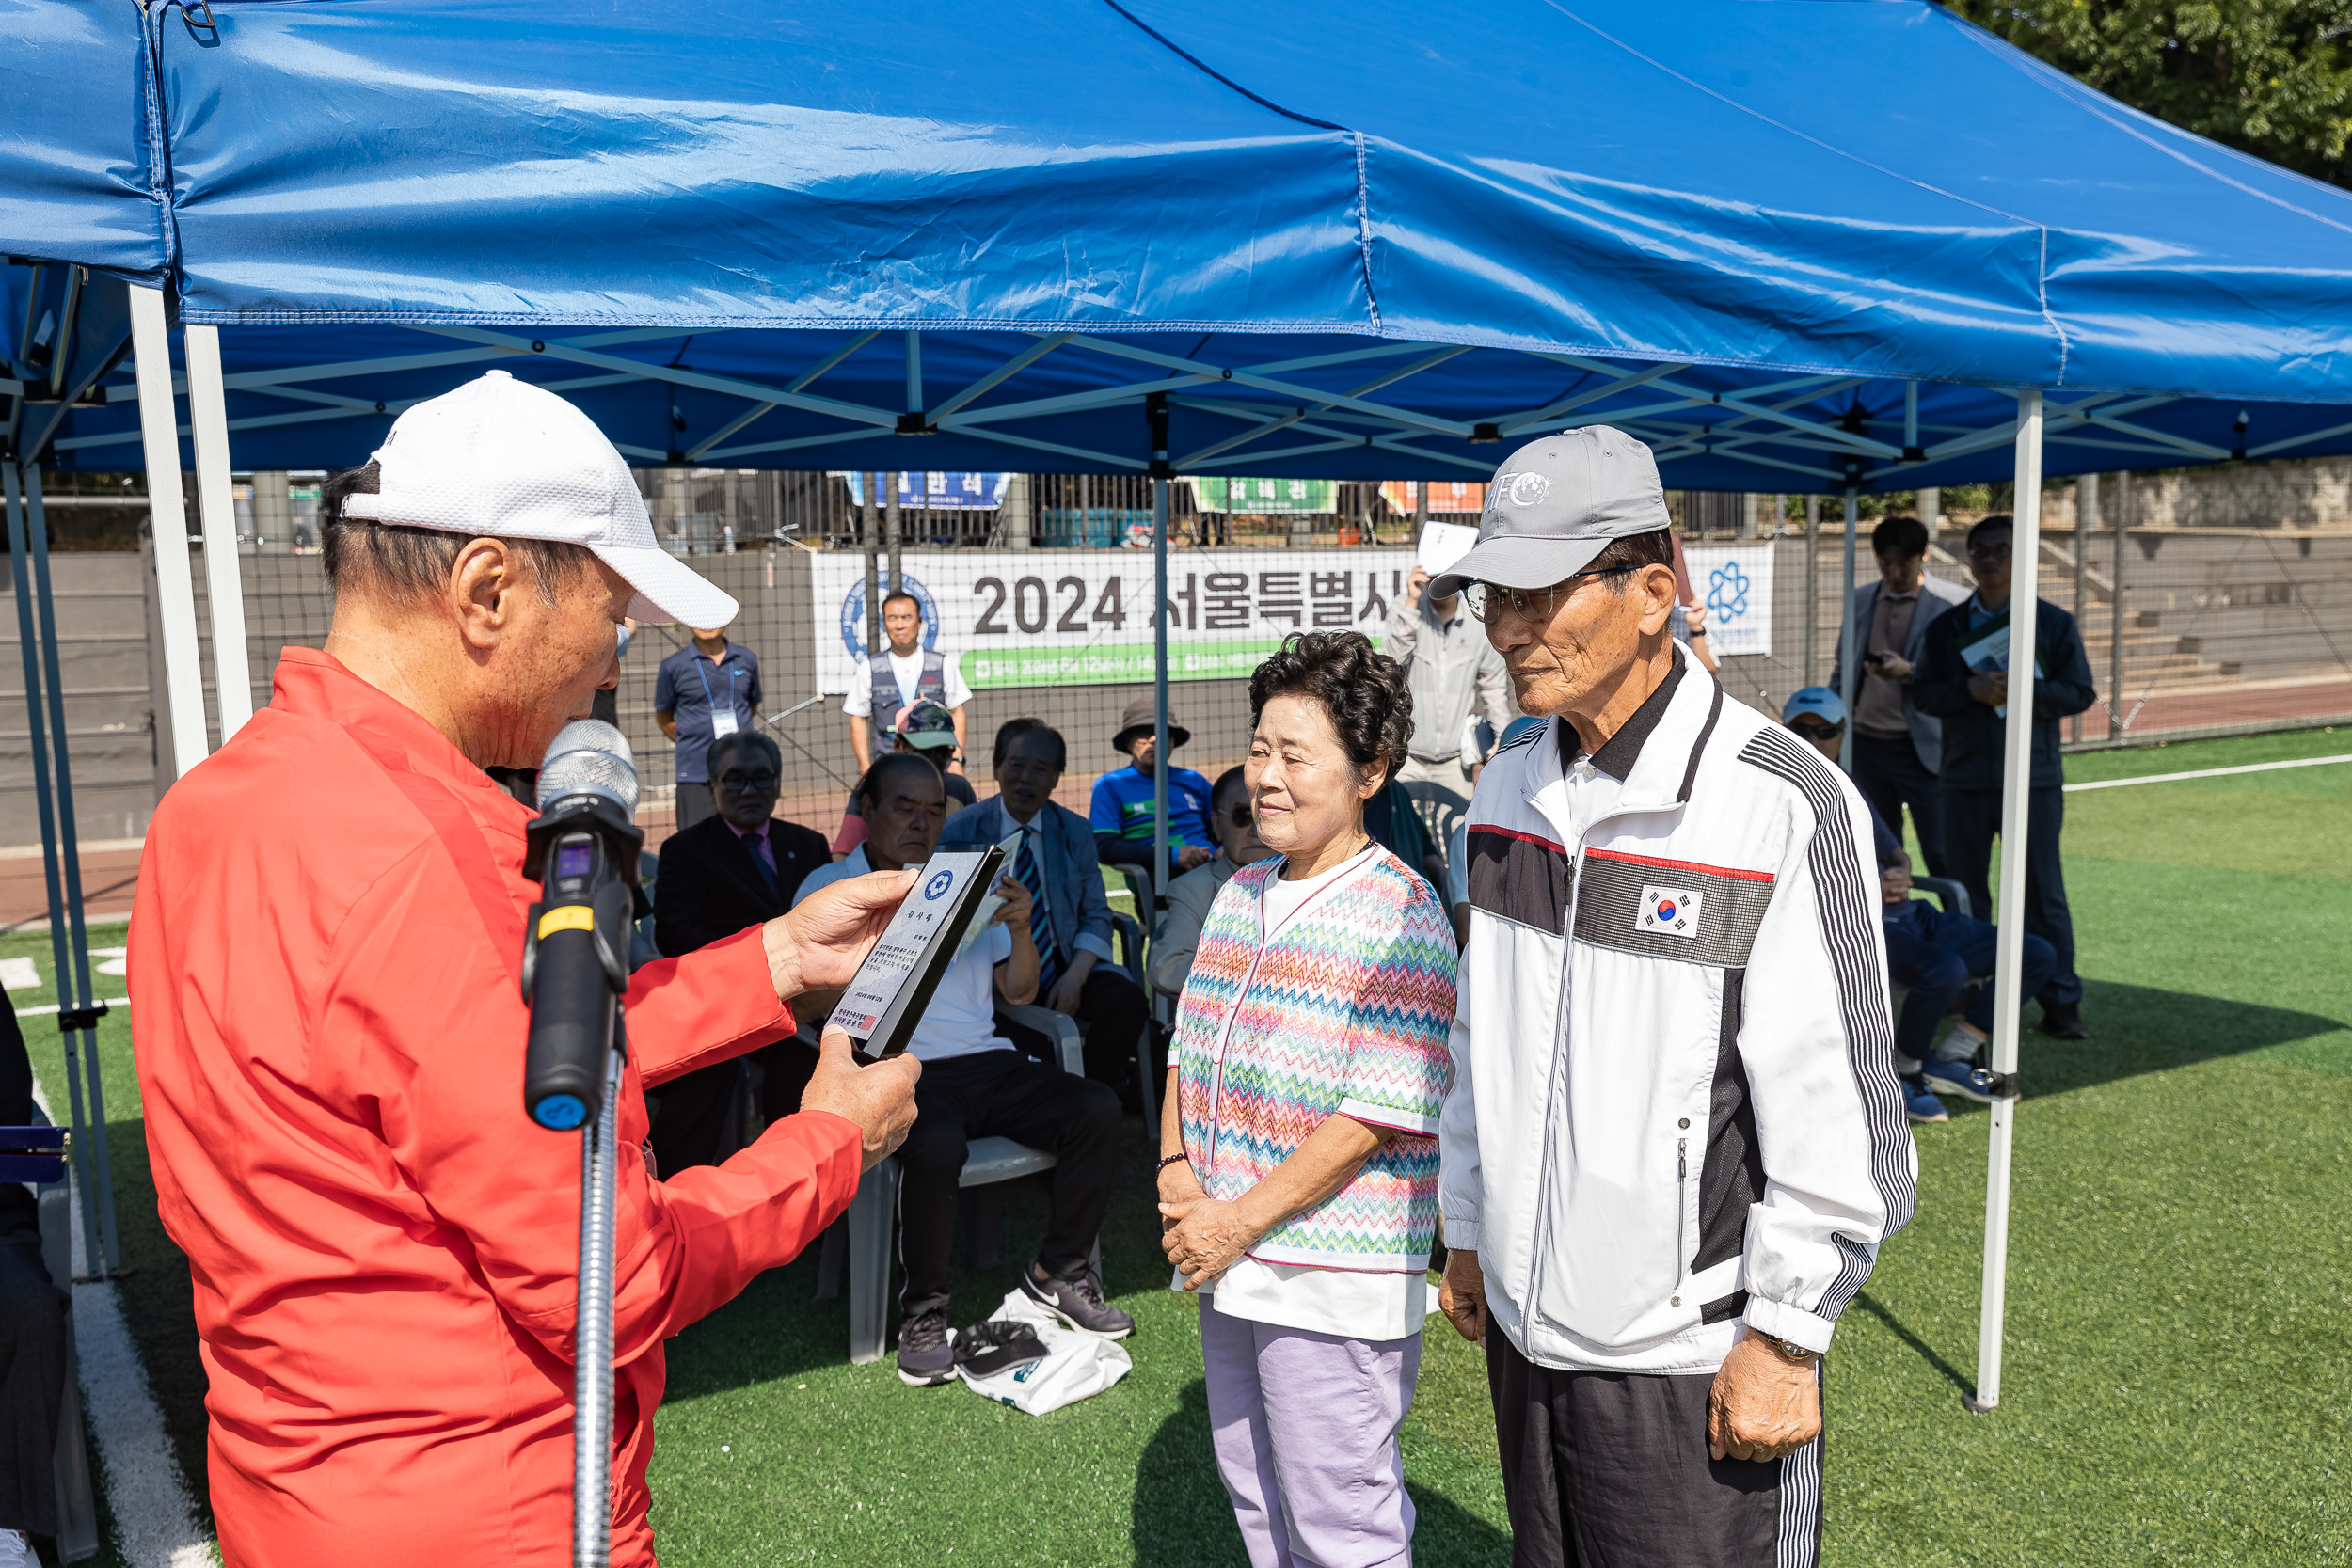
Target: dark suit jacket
(1076,908)
(708,887)
(1972,732)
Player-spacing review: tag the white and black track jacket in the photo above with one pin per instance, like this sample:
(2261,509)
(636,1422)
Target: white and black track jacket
(1675,1103)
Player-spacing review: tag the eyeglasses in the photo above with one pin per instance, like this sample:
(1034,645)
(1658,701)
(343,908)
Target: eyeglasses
(1534,605)
(736,779)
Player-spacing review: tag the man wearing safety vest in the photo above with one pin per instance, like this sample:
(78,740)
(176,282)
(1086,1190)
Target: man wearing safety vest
(330,1034)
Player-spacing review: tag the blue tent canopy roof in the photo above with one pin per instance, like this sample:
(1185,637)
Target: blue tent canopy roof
(1425,223)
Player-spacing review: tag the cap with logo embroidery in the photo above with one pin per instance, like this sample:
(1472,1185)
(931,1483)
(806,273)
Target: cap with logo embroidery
(1555,504)
(505,459)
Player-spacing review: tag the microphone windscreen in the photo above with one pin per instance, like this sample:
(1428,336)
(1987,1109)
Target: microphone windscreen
(589,756)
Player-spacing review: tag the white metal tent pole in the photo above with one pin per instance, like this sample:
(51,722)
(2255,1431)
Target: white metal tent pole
(1850,671)
(224,585)
(159,438)
(2016,798)
(1159,703)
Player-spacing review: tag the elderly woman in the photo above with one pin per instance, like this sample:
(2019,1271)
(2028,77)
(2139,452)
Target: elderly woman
(1299,1178)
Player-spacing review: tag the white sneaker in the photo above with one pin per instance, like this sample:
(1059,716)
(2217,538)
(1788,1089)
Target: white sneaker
(16,1550)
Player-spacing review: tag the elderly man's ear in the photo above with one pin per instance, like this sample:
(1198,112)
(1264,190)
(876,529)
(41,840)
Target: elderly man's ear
(483,582)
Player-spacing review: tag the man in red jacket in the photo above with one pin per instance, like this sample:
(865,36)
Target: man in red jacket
(330,1037)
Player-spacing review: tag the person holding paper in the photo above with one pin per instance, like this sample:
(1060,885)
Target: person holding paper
(383,1248)
(975,1084)
(705,692)
(1963,678)
(1455,673)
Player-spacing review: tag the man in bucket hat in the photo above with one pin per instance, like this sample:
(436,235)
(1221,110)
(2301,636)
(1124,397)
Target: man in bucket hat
(326,944)
(1674,1139)
(1123,814)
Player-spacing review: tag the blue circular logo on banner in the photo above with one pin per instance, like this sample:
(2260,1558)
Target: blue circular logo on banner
(938,885)
(853,613)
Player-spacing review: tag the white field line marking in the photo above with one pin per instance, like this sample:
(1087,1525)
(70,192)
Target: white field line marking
(50,1008)
(154,1519)
(2200,774)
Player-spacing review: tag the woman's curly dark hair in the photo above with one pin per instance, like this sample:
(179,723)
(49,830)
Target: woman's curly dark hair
(1362,692)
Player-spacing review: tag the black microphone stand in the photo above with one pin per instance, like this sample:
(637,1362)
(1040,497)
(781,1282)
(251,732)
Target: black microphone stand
(583,850)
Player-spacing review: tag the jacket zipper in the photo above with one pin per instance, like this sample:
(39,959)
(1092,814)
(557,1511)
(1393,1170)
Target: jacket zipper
(1682,1192)
(1559,1051)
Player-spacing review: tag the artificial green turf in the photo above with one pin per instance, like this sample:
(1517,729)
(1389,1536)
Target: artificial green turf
(2179,1356)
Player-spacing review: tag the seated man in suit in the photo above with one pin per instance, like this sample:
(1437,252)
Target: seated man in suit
(1070,918)
(727,872)
(976,1084)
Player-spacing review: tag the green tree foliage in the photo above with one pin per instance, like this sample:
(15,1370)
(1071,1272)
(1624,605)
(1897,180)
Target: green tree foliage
(2269,77)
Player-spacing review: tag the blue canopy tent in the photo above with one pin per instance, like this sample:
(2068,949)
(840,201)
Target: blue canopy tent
(1793,245)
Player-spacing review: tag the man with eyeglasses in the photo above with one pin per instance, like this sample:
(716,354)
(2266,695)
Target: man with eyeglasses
(1963,678)
(729,871)
(1674,1139)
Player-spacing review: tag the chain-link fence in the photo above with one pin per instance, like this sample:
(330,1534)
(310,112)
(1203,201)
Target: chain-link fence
(1044,599)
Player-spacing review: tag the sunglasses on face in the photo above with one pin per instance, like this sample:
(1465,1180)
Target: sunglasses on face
(1240,817)
(1533,604)
(1813,727)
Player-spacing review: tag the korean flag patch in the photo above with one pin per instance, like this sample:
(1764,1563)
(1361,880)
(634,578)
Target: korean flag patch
(1672,912)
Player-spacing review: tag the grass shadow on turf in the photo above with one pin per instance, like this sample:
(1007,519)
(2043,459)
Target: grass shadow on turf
(780,1330)
(2142,1029)
(1926,1352)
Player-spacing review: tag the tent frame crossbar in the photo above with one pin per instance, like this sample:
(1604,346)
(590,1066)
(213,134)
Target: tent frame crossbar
(1766,426)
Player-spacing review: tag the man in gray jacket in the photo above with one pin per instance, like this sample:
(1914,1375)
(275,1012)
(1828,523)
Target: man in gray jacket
(1455,673)
(1674,1139)
(1897,749)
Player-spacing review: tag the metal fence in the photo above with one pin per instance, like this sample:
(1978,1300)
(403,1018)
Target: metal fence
(2220,629)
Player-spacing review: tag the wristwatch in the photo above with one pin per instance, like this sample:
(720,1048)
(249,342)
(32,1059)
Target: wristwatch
(1789,1349)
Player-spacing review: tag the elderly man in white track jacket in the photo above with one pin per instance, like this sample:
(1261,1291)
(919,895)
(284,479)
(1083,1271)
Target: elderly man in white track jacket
(1674,1139)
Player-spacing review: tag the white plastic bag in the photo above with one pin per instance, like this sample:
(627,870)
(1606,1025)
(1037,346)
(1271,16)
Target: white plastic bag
(1075,1365)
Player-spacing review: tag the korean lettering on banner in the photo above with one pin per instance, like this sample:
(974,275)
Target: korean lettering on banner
(939,492)
(1735,585)
(1054,618)
(1263,497)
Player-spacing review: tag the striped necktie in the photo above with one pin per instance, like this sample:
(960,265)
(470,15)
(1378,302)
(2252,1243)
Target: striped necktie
(1026,867)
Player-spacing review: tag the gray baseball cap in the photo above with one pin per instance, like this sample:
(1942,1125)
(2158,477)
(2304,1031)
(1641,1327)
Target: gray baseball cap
(1555,504)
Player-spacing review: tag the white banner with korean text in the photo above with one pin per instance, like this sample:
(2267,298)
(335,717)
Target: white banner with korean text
(1032,618)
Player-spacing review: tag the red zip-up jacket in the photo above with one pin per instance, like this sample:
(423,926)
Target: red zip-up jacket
(322,965)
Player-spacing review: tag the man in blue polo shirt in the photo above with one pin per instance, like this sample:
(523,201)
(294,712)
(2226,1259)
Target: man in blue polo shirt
(1122,815)
(705,690)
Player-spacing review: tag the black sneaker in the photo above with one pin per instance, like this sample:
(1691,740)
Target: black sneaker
(2065,1022)
(925,1357)
(1078,1301)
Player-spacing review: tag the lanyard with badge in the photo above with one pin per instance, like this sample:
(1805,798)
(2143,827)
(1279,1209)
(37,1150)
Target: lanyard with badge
(721,723)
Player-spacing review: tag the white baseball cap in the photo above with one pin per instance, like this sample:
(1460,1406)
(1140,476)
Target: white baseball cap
(502,458)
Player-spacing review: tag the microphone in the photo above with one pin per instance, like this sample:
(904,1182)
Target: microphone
(583,851)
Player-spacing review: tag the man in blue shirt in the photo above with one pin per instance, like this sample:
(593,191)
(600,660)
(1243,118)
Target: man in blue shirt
(705,690)
(1123,812)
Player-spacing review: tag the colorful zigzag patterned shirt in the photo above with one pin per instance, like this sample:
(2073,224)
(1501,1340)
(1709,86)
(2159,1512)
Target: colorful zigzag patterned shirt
(1346,1009)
